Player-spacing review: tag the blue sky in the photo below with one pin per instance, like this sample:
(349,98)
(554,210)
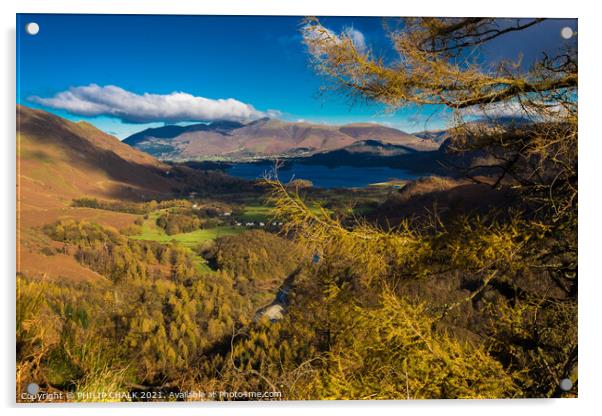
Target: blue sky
(257,62)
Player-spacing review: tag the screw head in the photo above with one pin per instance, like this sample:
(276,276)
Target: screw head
(33,388)
(32,28)
(566,384)
(566,32)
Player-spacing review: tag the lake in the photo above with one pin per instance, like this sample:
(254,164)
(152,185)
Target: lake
(323,176)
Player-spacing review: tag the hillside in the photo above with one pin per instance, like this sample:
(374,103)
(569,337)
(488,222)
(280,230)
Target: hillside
(366,153)
(60,159)
(264,137)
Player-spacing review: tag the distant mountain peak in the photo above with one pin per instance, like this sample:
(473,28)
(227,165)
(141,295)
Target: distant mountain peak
(262,120)
(265,137)
(226,124)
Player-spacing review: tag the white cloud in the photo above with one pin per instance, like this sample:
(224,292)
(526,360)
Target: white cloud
(533,110)
(319,38)
(358,39)
(495,110)
(113,101)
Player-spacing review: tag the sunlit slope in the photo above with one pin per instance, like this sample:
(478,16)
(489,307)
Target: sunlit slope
(57,161)
(264,138)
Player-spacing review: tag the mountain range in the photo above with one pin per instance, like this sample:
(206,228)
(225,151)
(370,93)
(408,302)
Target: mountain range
(266,137)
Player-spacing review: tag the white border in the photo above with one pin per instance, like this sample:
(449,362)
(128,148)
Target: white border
(507,8)
(590,232)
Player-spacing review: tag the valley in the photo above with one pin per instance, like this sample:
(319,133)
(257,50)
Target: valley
(219,266)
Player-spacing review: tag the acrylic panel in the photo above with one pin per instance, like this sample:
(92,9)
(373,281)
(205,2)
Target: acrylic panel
(218,208)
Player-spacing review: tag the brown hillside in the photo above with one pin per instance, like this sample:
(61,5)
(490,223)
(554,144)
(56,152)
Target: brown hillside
(266,137)
(262,137)
(372,131)
(58,160)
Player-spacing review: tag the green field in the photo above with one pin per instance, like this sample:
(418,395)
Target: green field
(256,213)
(191,239)
(150,231)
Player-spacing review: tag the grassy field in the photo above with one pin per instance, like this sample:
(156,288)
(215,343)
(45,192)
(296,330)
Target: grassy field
(201,264)
(256,213)
(150,231)
(191,239)
(264,213)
